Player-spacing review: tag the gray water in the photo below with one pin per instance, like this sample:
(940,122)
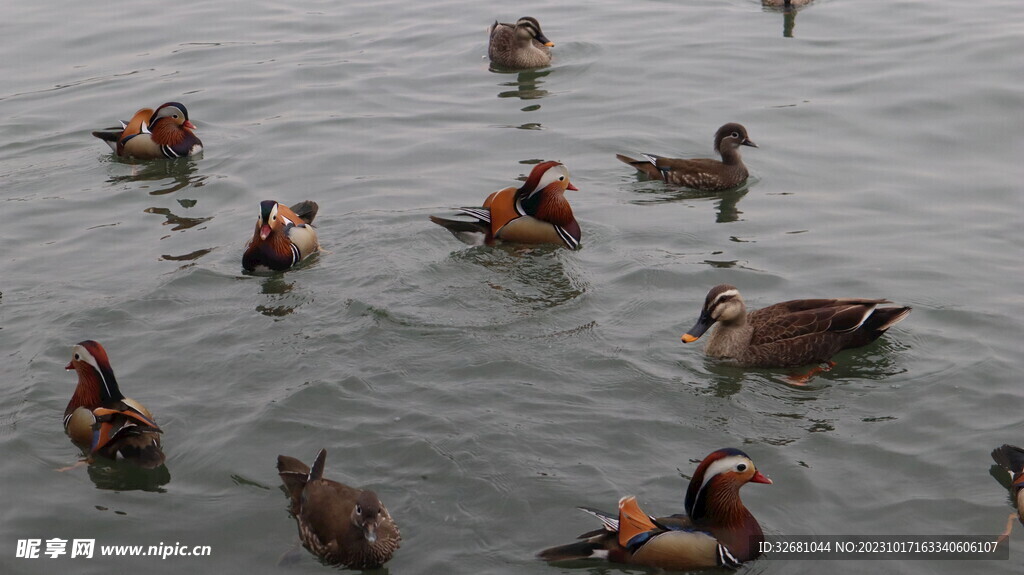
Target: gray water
(487,392)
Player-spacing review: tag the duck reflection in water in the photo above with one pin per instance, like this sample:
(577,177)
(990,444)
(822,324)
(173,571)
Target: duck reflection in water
(726,203)
(277,291)
(789,8)
(172,175)
(121,476)
(526,86)
(529,276)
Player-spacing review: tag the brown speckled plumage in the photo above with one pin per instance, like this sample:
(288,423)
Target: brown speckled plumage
(791,333)
(339,524)
(518,46)
(702,173)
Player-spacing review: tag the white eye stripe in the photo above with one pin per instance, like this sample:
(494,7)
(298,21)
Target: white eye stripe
(722,465)
(726,293)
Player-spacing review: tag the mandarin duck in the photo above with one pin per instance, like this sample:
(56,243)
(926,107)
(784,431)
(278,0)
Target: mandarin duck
(165,133)
(535,213)
(791,333)
(1011,458)
(103,422)
(785,3)
(518,46)
(339,524)
(702,173)
(283,237)
(716,531)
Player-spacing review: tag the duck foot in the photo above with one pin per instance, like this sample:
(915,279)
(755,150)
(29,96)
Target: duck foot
(1009,528)
(803,380)
(80,463)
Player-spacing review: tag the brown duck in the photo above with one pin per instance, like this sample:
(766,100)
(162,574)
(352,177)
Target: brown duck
(518,46)
(791,333)
(339,524)
(702,173)
(101,420)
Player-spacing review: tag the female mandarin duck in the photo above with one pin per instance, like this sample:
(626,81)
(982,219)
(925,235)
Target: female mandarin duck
(702,173)
(339,524)
(102,421)
(717,530)
(1011,458)
(165,133)
(518,46)
(791,333)
(283,237)
(535,213)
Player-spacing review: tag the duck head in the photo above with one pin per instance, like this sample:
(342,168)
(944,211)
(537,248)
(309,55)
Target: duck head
(730,137)
(542,195)
(527,29)
(269,220)
(175,113)
(368,514)
(715,487)
(96,381)
(723,304)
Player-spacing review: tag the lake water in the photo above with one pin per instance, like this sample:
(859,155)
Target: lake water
(487,392)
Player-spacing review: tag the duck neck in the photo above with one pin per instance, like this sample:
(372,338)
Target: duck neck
(730,338)
(725,516)
(166,133)
(731,156)
(550,207)
(94,390)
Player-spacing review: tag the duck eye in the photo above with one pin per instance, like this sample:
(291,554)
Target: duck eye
(77,357)
(735,134)
(741,467)
(359,509)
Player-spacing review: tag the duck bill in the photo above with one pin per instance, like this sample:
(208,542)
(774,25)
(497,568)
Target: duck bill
(572,187)
(370,533)
(264,232)
(188,124)
(698,329)
(760,478)
(69,366)
(544,40)
(749,142)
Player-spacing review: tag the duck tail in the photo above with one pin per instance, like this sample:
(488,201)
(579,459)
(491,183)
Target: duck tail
(1010,458)
(573,551)
(293,475)
(884,318)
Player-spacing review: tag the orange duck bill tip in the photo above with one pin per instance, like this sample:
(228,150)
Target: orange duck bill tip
(760,478)
(549,44)
(687,338)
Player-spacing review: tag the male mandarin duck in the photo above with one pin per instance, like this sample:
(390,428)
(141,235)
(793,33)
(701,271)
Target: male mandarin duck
(535,213)
(702,173)
(165,133)
(283,237)
(785,3)
(102,421)
(339,524)
(791,333)
(518,46)
(717,530)
(1011,458)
